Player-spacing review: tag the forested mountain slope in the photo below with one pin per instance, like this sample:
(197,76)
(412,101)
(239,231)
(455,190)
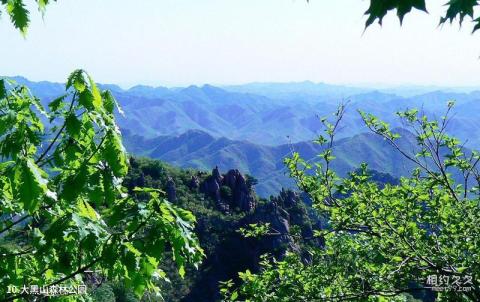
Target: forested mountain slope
(217,199)
(199,150)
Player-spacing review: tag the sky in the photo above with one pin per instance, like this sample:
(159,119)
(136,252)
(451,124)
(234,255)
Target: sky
(184,42)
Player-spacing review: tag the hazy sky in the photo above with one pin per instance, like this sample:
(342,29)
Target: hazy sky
(181,42)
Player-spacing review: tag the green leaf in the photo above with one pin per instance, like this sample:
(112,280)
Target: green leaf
(73,125)
(42,5)
(460,8)
(461,269)
(132,249)
(57,103)
(379,8)
(86,99)
(115,154)
(36,103)
(74,184)
(18,14)
(77,80)
(405,6)
(49,274)
(477,25)
(110,102)
(397,258)
(31,185)
(97,98)
(86,210)
(139,286)
(181,271)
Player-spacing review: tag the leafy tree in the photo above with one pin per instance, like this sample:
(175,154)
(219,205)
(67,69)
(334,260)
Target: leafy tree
(384,241)
(64,212)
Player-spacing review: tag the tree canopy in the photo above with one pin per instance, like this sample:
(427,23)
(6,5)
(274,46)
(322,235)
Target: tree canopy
(64,212)
(382,241)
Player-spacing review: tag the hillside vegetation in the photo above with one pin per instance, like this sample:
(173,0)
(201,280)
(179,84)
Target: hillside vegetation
(227,251)
(199,150)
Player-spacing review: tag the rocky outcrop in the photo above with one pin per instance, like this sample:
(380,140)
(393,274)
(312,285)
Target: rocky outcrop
(216,175)
(285,214)
(287,198)
(241,196)
(237,253)
(194,183)
(227,251)
(171,191)
(230,178)
(292,202)
(279,240)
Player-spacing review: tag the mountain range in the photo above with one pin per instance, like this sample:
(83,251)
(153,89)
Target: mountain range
(272,113)
(200,150)
(253,127)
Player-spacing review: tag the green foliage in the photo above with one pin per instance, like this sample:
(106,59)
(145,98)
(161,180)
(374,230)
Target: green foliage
(227,252)
(214,228)
(226,193)
(455,9)
(64,210)
(104,293)
(19,14)
(383,241)
(379,8)
(292,280)
(255,230)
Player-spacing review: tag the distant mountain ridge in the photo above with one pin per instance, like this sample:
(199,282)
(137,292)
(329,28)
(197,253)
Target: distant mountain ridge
(291,89)
(232,127)
(270,113)
(305,90)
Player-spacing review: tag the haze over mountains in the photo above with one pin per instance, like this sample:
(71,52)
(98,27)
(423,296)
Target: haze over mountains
(253,127)
(200,150)
(272,113)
